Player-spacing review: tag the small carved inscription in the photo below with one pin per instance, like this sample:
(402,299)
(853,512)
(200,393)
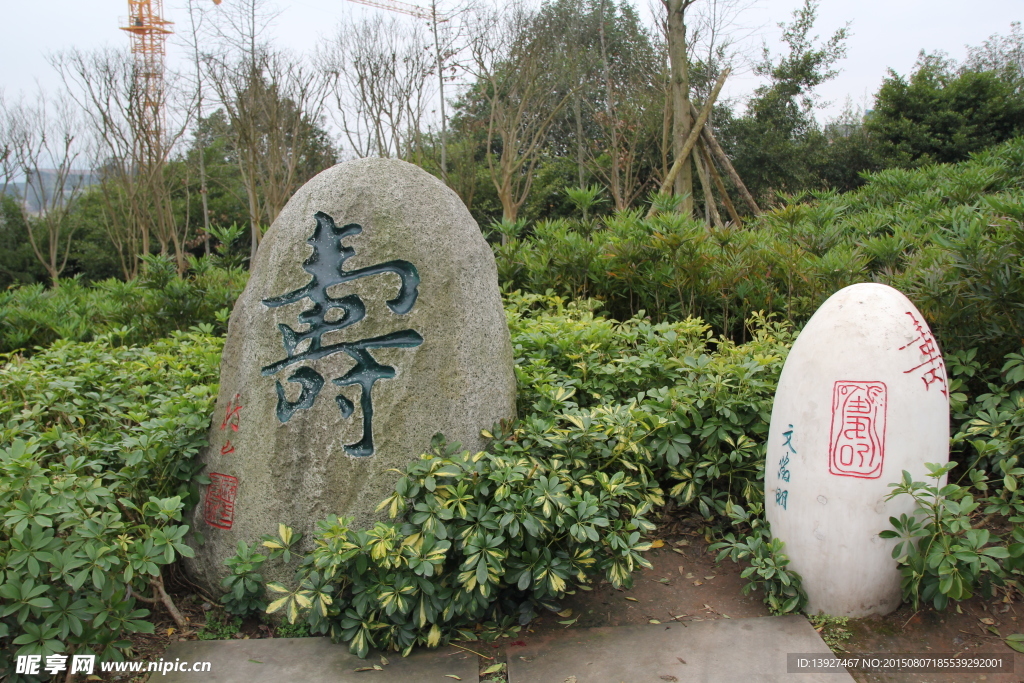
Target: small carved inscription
(326,266)
(857,440)
(231,413)
(933,369)
(784,462)
(782,496)
(219,511)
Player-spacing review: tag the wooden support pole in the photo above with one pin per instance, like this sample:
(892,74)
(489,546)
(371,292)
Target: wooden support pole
(698,125)
(733,214)
(723,161)
(705,186)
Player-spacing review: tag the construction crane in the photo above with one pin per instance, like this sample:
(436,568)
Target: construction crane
(396,6)
(149,30)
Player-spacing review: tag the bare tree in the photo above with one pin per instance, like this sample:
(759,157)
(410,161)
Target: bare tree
(196,16)
(1002,54)
(8,167)
(449,31)
(137,196)
(524,93)
(42,141)
(380,70)
(715,32)
(632,93)
(271,99)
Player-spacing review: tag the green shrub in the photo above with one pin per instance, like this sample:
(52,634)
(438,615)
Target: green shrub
(97,446)
(769,566)
(244,585)
(485,536)
(219,626)
(609,410)
(135,312)
(690,411)
(948,236)
(945,554)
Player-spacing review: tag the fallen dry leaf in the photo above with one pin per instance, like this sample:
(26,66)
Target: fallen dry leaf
(452,676)
(570,679)
(668,677)
(708,578)
(632,599)
(707,606)
(565,613)
(657,543)
(681,660)
(364,668)
(680,569)
(698,582)
(677,550)
(653,621)
(689,575)
(988,621)
(682,542)
(384,660)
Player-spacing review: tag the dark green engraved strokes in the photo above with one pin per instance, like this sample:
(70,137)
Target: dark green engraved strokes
(326,265)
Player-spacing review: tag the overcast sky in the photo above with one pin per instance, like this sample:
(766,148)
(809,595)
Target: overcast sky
(885,34)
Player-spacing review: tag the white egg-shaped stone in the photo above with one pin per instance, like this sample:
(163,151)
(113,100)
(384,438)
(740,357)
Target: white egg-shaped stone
(863,396)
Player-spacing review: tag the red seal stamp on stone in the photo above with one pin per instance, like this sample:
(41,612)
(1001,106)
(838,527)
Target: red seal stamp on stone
(220,500)
(857,441)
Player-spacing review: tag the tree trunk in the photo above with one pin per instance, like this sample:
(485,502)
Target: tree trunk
(609,104)
(710,210)
(579,139)
(710,165)
(723,160)
(680,91)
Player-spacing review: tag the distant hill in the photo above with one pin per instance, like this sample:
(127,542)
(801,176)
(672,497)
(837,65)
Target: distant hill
(40,187)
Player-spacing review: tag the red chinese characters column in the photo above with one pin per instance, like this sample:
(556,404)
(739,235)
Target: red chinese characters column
(933,369)
(219,510)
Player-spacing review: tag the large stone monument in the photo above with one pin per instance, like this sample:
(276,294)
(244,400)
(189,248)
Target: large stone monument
(371,321)
(862,397)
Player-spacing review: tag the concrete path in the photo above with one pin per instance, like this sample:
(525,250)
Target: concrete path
(312,660)
(718,651)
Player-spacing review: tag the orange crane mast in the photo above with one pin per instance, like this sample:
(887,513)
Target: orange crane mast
(149,30)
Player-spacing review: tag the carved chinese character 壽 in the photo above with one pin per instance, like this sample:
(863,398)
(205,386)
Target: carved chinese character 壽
(326,265)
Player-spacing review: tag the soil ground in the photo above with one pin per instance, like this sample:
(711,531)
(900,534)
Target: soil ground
(686,584)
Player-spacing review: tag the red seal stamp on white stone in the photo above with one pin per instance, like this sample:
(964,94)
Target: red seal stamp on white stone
(857,443)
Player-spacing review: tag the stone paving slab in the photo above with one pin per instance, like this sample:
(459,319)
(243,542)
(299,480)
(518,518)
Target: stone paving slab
(311,660)
(718,651)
